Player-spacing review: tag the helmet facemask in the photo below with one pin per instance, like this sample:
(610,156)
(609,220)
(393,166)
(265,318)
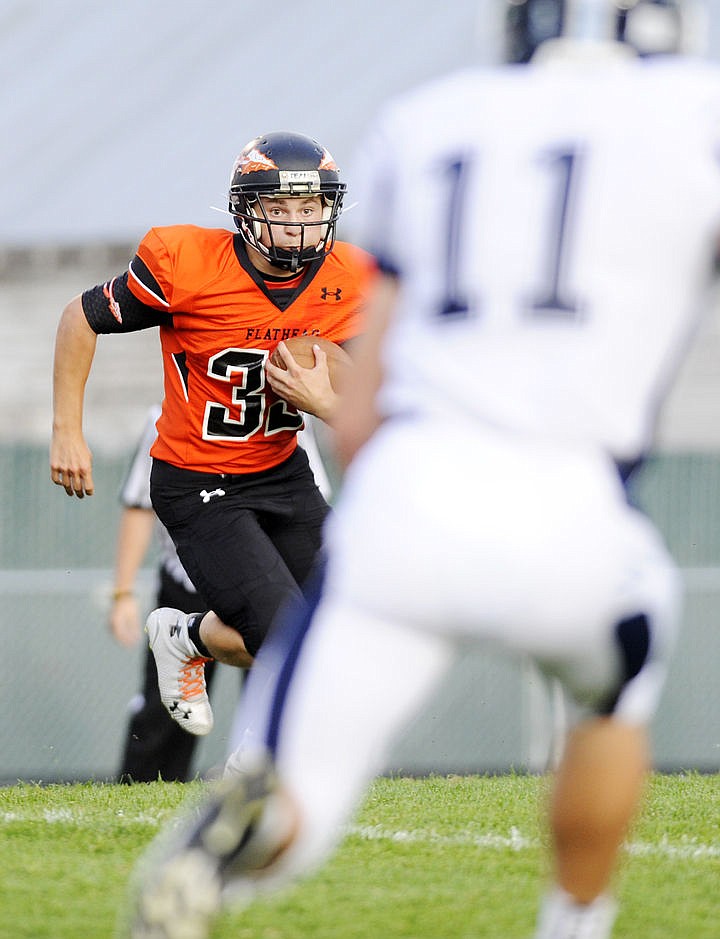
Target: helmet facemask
(648,27)
(251,217)
(651,27)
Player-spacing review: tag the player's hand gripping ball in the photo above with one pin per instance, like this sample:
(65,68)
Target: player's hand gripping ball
(301,349)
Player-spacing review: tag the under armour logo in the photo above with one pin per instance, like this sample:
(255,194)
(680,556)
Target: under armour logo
(181,708)
(325,292)
(207,496)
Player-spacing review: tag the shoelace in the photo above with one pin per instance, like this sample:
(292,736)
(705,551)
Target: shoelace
(192,678)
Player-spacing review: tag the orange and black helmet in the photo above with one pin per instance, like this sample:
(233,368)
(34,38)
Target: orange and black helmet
(285,165)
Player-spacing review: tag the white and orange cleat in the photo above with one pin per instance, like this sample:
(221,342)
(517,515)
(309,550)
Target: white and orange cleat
(181,670)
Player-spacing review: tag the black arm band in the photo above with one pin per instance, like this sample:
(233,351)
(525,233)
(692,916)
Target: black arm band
(112,308)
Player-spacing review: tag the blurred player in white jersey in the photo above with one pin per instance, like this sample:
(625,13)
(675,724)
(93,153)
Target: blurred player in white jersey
(546,233)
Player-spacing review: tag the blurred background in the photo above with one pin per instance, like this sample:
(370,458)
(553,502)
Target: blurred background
(123,115)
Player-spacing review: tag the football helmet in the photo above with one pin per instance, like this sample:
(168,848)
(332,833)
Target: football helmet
(650,27)
(285,165)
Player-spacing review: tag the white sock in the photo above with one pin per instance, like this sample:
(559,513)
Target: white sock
(561,917)
(234,764)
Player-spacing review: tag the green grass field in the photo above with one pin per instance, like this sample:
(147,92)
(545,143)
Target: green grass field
(436,858)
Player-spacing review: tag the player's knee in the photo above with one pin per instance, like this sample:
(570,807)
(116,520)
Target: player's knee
(633,638)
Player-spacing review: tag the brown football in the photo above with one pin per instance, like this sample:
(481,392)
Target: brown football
(301,349)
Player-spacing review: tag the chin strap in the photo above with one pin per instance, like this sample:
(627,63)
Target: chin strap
(294,261)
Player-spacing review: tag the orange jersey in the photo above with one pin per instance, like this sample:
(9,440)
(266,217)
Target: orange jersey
(219,414)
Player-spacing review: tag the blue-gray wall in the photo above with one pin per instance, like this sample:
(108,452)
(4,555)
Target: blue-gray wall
(66,684)
(128,113)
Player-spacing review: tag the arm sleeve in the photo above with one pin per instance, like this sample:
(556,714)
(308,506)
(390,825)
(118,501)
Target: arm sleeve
(375,178)
(112,308)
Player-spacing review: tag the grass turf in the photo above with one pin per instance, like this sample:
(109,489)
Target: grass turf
(450,857)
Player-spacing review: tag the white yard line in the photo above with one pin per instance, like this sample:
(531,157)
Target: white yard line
(686,848)
(683,849)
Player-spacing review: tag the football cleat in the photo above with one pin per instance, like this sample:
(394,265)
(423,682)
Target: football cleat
(199,864)
(181,670)
(562,918)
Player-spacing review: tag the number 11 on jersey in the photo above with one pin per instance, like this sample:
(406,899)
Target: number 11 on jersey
(551,299)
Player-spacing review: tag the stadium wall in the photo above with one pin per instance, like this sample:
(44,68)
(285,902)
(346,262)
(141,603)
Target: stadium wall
(80,182)
(66,684)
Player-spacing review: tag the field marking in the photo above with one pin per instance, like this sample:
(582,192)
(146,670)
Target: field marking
(684,849)
(80,819)
(515,840)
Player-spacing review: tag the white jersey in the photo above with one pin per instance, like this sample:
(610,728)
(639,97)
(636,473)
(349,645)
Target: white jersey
(553,237)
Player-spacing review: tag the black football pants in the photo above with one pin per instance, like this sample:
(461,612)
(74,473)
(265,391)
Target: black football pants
(248,542)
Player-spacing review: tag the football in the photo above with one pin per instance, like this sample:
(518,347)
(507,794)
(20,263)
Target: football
(301,349)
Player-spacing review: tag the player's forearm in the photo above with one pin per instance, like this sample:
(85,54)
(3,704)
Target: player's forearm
(134,537)
(354,423)
(324,408)
(355,417)
(75,344)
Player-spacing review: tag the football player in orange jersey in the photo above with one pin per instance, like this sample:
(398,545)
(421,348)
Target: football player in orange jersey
(229,481)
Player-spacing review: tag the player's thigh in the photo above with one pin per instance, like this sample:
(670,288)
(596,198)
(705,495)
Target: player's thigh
(230,559)
(298,534)
(242,575)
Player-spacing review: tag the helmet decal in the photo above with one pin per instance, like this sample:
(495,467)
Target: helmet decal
(251,160)
(327,162)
